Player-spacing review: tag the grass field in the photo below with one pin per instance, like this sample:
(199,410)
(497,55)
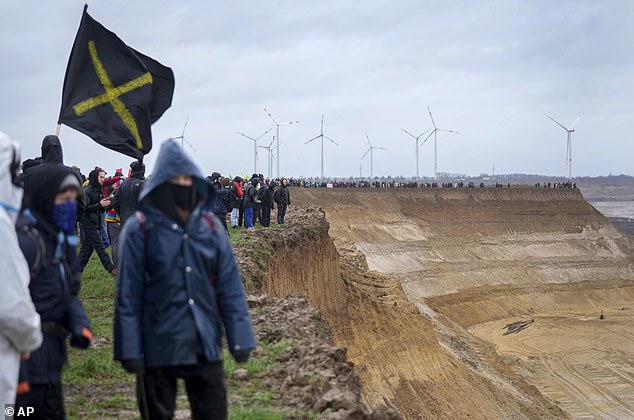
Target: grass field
(97,387)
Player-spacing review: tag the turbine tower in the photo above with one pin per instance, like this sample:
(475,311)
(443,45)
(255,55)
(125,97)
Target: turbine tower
(255,148)
(182,138)
(270,158)
(277,136)
(569,132)
(416,138)
(435,134)
(322,135)
(371,151)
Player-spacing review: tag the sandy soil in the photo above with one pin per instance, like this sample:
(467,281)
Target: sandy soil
(429,278)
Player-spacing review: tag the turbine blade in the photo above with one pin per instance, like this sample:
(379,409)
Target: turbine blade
(430,134)
(261,135)
(366,152)
(184,127)
(242,134)
(314,138)
(270,116)
(448,131)
(289,123)
(432,117)
(423,133)
(331,140)
(410,134)
(561,125)
(322,123)
(380,148)
(366,136)
(573,124)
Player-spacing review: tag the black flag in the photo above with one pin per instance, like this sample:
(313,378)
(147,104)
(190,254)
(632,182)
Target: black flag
(113,93)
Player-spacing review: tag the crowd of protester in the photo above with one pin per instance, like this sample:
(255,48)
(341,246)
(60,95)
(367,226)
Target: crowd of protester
(168,251)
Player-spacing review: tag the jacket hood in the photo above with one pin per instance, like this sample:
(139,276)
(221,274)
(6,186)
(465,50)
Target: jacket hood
(93,177)
(52,150)
(137,170)
(10,195)
(45,183)
(172,161)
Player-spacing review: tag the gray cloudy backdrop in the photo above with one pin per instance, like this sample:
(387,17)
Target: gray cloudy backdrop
(492,70)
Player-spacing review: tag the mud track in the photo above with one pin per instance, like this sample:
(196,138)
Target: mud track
(419,284)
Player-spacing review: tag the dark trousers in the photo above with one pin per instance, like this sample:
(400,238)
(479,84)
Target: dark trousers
(223,219)
(47,401)
(281,212)
(241,215)
(205,386)
(257,213)
(266,215)
(92,241)
(114,229)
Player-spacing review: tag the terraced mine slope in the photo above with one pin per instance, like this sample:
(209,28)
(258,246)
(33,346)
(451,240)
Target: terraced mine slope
(420,284)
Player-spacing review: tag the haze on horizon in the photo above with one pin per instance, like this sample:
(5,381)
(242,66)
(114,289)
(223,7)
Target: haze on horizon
(491,70)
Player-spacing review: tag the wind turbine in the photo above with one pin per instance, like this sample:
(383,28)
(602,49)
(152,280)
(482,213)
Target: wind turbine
(322,135)
(271,158)
(182,137)
(569,132)
(371,151)
(435,134)
(416,138)
(255,148)
(277,136)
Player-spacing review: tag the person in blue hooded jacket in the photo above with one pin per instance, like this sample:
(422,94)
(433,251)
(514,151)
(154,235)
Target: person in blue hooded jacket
(177,286)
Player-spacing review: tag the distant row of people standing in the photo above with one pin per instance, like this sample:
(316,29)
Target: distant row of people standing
(252,201)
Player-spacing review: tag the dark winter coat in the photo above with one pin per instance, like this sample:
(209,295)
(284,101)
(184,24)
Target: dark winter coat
(126,197)
(250,196)
(221,202)
(55,286)
(266,194)
(282,195)
(178,284)
(236,193)
(91,216)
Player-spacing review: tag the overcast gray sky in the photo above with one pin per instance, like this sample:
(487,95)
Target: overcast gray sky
(491,70)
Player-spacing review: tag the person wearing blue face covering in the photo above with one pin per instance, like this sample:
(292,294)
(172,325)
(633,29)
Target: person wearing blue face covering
(47,233)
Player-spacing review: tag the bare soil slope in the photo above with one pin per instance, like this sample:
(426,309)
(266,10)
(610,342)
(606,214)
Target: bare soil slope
(420,284)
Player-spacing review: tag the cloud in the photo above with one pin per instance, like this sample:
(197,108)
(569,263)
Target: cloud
(490,70)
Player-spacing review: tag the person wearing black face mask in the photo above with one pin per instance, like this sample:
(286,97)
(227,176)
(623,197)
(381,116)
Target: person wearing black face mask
(47,236)
(178,285)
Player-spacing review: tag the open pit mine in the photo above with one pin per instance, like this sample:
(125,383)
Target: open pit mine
(480,303)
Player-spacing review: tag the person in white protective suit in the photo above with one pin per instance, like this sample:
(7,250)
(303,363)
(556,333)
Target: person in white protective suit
(20,331)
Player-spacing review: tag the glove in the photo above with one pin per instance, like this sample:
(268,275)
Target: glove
(81,341)
(242,356)
(134,366)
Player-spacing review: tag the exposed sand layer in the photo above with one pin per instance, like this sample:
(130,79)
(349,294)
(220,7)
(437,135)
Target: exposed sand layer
(420,284)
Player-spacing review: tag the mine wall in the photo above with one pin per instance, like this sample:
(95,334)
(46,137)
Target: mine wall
(395,349)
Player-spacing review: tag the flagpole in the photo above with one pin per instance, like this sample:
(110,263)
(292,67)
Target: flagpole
(59,126)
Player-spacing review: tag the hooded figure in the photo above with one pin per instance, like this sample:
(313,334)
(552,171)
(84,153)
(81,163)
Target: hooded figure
(266,194)
(222,198)
(178,290)
(91,222)
(52,150)
(19,322)
(126,197)
(47,236)
(282,197)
